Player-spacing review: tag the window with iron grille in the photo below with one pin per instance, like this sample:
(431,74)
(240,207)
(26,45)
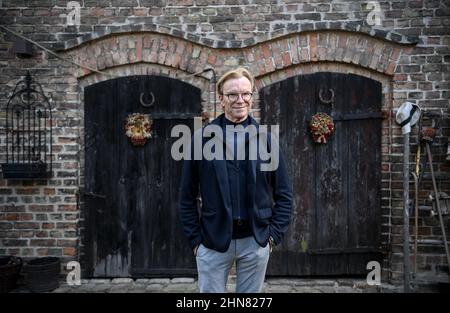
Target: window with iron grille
(28,127)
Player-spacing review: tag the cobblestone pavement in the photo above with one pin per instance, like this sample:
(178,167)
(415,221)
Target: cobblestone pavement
(189,285)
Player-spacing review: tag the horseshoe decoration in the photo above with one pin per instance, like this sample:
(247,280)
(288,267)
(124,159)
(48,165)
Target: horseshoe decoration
(143,103)
(326,101)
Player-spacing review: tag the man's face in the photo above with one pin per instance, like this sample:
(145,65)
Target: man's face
(236,110)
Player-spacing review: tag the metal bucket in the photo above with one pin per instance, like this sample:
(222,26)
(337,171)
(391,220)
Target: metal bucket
(9,272)
(42,274)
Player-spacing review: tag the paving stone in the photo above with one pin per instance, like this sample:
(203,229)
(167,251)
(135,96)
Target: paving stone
(182,280)
(390,288)
(154,287)
(326,289)
(136,289)
(303,282)
(118,288)
(361,284)
(164,281)
(278,289)
(181,288)
(370,290)
(99,281)
(319,282)
(62,289)
(87,287)
(346,282)
(101,288)
(280,281)
(142,281)
(76,289)
(346,289)
(304,289)
(122,280)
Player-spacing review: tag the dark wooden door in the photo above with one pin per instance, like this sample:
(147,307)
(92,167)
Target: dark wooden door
(337,215)
(131,192)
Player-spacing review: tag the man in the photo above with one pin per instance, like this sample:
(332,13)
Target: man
(244,210)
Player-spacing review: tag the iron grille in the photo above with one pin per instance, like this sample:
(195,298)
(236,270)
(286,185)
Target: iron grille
(28,132)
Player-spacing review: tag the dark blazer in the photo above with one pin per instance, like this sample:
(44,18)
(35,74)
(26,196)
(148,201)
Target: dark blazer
(269,192)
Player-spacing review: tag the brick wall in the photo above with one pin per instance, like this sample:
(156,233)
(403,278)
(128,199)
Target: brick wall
(408,54)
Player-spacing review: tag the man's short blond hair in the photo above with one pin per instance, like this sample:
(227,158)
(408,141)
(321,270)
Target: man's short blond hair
(236,73)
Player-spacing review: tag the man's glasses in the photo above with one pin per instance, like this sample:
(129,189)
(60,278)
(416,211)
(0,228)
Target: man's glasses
(246,96)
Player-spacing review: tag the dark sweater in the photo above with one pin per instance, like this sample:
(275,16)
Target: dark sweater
(237,180)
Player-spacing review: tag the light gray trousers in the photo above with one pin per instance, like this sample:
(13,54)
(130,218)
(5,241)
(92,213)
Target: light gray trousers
(251,263)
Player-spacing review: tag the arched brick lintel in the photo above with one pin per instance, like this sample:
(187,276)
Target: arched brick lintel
(328,46)
(262,59)
(304,27)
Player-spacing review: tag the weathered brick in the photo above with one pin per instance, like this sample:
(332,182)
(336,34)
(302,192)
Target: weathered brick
(41,234)
(26,225)
(25,217)
(308,16)
(14,242)
(69,251)
(313,47)
(67,207)
(48,225)
(42,242)
(67,243)
(66,226)
(41,208)
(27,191)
